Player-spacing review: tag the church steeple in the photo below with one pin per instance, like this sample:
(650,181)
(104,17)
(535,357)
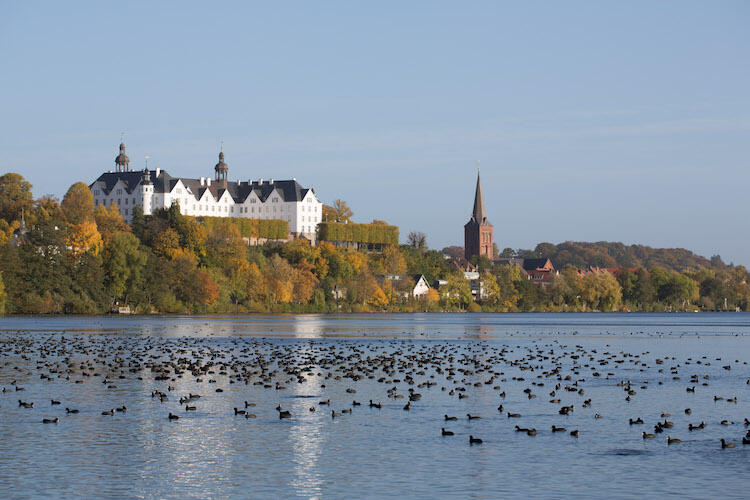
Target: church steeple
(478,214)
(478,231)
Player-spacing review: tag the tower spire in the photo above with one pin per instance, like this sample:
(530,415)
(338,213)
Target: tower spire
(478,214)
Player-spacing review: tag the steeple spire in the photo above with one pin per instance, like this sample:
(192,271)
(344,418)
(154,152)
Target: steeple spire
(478,214)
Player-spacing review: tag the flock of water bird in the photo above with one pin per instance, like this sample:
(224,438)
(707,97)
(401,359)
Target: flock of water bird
(549,374)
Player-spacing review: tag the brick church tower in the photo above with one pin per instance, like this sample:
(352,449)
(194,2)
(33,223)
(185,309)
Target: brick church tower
(478,231)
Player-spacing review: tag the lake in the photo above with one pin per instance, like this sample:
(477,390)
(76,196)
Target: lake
(608,367)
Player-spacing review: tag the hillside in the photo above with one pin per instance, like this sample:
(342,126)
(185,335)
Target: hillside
(615,254)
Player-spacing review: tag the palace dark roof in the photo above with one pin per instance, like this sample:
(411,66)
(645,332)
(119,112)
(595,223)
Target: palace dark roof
(289,190)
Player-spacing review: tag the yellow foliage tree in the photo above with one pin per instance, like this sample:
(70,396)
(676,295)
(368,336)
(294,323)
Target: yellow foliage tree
(378,297)
(279,280)
(109,221)
(432,296)
(85,238)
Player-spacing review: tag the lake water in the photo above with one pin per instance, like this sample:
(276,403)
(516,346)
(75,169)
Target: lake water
(297,361)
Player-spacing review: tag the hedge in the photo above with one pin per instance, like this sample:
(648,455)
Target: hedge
(358,233)
(272,229)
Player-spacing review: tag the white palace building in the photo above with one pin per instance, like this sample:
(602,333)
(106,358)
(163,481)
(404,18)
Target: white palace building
(251,199)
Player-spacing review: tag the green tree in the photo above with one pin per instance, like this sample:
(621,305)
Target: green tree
(457,293)
(124,266)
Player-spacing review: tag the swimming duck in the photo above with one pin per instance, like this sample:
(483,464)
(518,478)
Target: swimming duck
(109,412)
(447,418)
(172,416)
(375,405)
(446,433)
(473,440)
(574,433)
(647,436)
(54,402)
(671,440)
(334,414)
(190,408)
(239,412)
(68,410)
(50,420)
(25,405)
(513,415)
(472,417)
(724,444)
(557,429)
(638,421)
(285,414)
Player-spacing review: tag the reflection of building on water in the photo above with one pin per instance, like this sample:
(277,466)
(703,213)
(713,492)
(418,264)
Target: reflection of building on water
(479,331)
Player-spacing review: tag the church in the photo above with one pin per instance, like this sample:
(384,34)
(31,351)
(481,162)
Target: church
(478,231)
(478,241)
(206,197)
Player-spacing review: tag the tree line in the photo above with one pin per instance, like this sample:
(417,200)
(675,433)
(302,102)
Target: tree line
(76,258)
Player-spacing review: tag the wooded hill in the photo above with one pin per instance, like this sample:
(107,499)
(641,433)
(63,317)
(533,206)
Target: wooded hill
(615,254)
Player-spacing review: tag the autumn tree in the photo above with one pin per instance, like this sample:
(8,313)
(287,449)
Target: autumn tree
(78,204)
(341,211)
(109,221)
(303,284)
(279,279)
(84,238)
(15,197)
(393,261)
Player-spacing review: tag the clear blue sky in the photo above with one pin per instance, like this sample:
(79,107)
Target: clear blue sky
(620,121)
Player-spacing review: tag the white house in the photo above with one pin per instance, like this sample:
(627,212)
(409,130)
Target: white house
(251,199)
(408,285)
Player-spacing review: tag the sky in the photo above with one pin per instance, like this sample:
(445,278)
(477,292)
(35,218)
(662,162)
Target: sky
(593,121)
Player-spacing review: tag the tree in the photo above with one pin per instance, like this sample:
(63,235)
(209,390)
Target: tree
(15,197)
(279,279)
(393,260)
(109,221)
(3,295)
(138,223)
(341,211)
(124,266)
(303,284)
(84,238)
(167,244)
(457,291)
(490,288)
(417,239)
(78,204)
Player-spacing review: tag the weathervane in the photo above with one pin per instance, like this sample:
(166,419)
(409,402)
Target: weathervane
(147,157)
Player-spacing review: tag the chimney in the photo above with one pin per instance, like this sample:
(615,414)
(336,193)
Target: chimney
(208,181)
(158,171)
(260,181)
(203,181)
(271,181)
